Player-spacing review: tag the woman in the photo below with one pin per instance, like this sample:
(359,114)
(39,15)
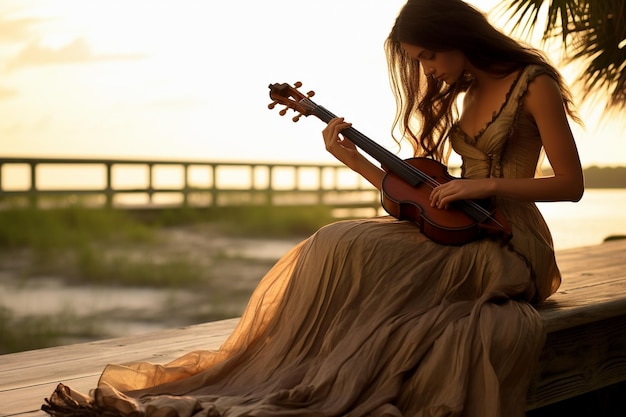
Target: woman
(370,317)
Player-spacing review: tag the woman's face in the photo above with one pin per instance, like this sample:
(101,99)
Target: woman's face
(446,66)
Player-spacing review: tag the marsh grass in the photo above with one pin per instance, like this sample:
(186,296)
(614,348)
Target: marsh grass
(259,221)
(94,268)
(36,332)
(279,222)
(75,241)
(48,230)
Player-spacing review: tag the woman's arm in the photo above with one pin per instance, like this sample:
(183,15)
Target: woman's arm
(545,104)
(346,152)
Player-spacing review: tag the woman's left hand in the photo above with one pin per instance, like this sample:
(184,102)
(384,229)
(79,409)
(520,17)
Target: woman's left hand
(460,189)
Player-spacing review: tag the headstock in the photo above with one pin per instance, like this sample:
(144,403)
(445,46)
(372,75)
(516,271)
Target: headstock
(292,99)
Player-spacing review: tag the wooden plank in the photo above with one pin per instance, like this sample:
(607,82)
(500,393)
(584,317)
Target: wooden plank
(60,362)
(26,378)
(27,401)
(586,345)
(578,360)
(593,288)
(573,262)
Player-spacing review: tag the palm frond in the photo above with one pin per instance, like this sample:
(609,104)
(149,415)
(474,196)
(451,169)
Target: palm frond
(592,32)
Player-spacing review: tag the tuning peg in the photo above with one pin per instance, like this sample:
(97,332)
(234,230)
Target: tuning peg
(272,105)
(297,84)
(310,94)
(283,111)
(297,117)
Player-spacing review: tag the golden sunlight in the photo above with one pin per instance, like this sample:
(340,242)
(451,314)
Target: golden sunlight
(188,79)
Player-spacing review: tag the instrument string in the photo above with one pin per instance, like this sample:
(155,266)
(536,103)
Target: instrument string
(400,167)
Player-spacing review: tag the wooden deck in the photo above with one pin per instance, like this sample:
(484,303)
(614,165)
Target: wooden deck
(585,350)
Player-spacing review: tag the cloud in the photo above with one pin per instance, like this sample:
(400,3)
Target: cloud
(17,30)
(6,93)
(178,103)
(75,52)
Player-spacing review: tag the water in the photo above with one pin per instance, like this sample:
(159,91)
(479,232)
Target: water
(599,214)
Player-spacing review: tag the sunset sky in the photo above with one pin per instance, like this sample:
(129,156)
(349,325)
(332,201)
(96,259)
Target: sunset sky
(187,79)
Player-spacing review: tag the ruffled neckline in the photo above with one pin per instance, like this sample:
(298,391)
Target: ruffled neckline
(494,116)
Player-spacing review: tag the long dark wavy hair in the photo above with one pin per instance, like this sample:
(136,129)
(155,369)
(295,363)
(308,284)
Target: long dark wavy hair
(426,107)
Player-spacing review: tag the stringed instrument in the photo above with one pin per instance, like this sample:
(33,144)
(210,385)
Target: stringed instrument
(407,184)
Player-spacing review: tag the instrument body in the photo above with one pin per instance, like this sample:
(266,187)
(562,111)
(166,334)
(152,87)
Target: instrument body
(452,226)
(407,184)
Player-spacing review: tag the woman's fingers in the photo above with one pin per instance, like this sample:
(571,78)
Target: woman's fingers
(442,195)
(332,130)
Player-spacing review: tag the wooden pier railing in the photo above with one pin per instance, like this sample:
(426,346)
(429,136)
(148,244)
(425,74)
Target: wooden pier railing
(128,183)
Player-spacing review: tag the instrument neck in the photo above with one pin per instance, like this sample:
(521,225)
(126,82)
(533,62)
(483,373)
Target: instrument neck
(389,161)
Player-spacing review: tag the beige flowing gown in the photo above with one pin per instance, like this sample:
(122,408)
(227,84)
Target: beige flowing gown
(371,318)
